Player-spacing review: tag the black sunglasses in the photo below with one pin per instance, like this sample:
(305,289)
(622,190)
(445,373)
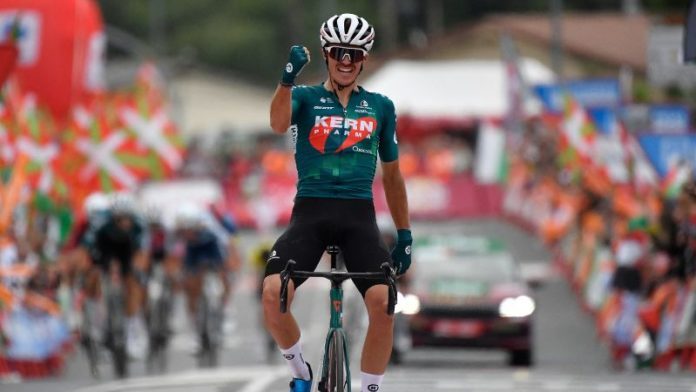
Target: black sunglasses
(338,53)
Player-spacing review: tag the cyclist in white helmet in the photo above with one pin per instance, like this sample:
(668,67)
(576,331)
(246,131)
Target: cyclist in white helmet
(340,130)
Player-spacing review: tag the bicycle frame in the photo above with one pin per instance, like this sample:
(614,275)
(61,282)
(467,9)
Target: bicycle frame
(336,305)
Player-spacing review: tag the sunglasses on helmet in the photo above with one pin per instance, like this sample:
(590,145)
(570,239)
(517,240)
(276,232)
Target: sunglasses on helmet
(339,53)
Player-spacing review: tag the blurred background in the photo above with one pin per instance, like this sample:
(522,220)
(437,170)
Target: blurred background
(549,141)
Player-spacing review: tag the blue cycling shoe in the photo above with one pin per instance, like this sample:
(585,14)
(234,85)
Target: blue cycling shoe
(300,385)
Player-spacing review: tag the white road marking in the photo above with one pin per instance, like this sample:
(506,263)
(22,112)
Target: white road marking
(260,377)
(556,385)
(608,387)
(261,383)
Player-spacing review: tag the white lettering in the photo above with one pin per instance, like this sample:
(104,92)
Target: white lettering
(361,150)
(336,122)
(362,125)
(367,126)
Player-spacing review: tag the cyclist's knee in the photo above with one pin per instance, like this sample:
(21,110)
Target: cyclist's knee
(271,292)
(134,295)
(92,285)
(376,300)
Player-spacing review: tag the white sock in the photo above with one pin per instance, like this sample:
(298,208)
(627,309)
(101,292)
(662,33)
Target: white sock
(371,382)
(293,356)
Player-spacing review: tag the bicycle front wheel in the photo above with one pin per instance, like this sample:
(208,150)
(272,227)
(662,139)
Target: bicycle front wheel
(336,358)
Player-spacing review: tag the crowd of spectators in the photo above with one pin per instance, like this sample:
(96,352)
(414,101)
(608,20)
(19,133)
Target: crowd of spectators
(628,249)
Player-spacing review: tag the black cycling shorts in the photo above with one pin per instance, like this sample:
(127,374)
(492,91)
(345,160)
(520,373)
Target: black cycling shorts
(318,222)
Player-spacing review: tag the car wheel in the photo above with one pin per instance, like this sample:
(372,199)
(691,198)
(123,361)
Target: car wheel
(520,358)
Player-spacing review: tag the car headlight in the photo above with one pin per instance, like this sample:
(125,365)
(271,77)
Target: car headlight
(408,304)
(521,306)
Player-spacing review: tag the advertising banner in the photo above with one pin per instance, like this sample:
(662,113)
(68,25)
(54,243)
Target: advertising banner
(665,150)
(458,196)
(669,119)
(588,93)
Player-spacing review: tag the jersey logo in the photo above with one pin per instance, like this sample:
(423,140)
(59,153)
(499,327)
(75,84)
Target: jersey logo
(354,130)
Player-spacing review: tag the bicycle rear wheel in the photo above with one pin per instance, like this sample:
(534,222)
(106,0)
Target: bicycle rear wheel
(336,357)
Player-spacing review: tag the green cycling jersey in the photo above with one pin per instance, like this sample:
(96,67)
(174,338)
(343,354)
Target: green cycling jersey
(336,148)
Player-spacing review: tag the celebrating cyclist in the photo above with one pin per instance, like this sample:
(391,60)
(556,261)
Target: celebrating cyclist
(339,129)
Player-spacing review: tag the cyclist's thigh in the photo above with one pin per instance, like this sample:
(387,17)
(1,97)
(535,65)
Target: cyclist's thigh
(301,242)
(126,265)
(92,281)
(362,247)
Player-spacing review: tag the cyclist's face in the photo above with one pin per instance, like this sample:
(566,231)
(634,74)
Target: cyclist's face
(187,234)
(344,70)
(124,222)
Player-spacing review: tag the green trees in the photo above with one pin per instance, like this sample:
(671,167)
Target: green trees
(252,37)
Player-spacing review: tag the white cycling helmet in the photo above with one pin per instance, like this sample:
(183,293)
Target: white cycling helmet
(95,203)
(189,216)
(123,203)
(152,213)
(347,30)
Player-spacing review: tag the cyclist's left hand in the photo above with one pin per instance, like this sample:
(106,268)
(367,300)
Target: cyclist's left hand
(401,254)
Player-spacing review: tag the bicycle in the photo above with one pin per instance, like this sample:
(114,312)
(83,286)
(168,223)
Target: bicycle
(90,333)
(335,374)
(160,292)
(210,317)
(110,330)
(116,321)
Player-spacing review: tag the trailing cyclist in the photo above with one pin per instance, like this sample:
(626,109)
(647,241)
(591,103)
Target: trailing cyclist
(339,130)
(161,284)
(204,247)
(116,245)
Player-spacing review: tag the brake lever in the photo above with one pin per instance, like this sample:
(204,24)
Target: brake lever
(284,278)
(391,282)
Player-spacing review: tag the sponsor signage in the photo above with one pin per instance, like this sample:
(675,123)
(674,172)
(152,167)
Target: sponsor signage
(669,119)
(664,150)
(589,93)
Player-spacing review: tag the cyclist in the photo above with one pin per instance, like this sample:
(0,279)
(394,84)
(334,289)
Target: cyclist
(201,250)
(258,258)
(339,129)
(161,281)
(120,241)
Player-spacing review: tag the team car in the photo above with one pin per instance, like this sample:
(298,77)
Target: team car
(466,292)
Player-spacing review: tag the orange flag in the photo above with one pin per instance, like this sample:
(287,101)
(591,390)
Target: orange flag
(12,193)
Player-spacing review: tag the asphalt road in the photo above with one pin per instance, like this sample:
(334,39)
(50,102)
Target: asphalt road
(568,357)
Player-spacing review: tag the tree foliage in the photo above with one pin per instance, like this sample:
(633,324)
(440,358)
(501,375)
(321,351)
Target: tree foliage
(252,37)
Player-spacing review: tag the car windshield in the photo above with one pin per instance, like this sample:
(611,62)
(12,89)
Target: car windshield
(491,268)
(433,247)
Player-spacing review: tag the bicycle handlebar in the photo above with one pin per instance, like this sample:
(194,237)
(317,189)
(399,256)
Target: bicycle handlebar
(338,276)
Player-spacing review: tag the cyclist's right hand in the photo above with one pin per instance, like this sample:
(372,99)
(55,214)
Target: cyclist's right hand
(401,253)
(298,58)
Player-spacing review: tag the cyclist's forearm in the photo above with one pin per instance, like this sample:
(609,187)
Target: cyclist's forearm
(281,109)
(397,200)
